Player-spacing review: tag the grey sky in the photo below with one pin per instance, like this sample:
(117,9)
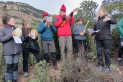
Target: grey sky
(53,6)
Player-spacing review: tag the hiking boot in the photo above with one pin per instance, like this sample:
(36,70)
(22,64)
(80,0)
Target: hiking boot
(26,74)
(14,80)
(107,70)
(120,62)
(100,68)
(55,67)
(4,80)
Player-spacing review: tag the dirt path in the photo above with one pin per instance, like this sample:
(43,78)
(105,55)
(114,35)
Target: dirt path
(31,75)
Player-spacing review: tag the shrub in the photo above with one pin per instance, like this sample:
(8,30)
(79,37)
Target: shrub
(42,70)
(114,42)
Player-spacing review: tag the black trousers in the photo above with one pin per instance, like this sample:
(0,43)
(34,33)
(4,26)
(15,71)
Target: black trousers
(105,44)
(26,52)
(79,44)
(120,50)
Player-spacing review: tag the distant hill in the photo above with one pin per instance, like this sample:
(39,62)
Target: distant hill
(20,11)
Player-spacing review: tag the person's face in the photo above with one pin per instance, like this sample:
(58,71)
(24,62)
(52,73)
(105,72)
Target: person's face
(101,13)
(11,21)
(61,12)
(45,18)
(80,21)
(28,25)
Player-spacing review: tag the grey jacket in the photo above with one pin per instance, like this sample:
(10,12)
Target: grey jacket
(76,31)
(9,46)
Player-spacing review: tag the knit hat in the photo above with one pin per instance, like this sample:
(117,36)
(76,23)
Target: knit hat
(63,8)
(45,14)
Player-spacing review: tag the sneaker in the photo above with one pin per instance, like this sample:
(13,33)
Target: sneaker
(107,70)
(100,68)
(55,67)
(120,62)
(26,74)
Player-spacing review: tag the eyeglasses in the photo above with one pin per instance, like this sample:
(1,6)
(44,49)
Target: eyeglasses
(79,20)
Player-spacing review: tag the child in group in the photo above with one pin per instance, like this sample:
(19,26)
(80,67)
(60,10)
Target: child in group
(79,35)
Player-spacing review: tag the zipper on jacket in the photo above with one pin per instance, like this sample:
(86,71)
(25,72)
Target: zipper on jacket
(14,42)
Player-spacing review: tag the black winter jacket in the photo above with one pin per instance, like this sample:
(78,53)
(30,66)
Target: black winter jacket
(26,38)
(104,28)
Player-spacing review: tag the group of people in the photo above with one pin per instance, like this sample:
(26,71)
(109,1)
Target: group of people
(62,25)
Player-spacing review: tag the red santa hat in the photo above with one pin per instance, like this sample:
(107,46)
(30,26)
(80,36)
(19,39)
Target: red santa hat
(44,14)
(63,8)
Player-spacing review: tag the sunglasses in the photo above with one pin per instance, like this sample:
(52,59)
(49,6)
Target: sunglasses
(80,20)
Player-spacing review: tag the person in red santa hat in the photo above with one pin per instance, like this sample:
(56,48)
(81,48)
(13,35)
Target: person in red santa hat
(64,23)
(46,32)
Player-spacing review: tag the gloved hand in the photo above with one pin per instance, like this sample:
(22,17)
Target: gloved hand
(64,18)
(71,14)
(44,21)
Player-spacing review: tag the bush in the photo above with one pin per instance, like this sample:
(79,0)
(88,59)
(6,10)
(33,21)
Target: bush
(114,42)
(42,71)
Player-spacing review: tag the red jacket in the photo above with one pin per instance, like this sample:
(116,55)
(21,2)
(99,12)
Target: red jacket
(66,29)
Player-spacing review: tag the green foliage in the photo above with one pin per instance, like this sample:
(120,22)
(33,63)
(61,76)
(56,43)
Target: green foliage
(88,12)
(10,2)
(114,8)
(2,64)
(56,42)
(91,47)
(111,7)
(42,70)
(118,8)
(114,42)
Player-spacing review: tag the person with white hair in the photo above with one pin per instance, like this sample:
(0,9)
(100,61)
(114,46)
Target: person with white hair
(103,37)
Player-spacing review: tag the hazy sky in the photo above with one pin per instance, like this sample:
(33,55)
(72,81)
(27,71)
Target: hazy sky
(53,6)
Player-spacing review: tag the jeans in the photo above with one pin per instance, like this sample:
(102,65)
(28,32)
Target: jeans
(79,44)
(26,52)
(11,66)
(105,44)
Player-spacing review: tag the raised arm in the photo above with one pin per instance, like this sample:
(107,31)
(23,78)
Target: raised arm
(58,22)
(53,28)
(112,21)
(41,27)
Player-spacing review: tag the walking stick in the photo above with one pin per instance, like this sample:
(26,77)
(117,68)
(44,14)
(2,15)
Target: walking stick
(86,25)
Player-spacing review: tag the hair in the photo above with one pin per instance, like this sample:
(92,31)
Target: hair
(5,19)
(104,10)
(24,23)
(80,18)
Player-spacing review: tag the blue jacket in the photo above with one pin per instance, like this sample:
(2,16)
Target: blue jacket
(76,31)
(45,32)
